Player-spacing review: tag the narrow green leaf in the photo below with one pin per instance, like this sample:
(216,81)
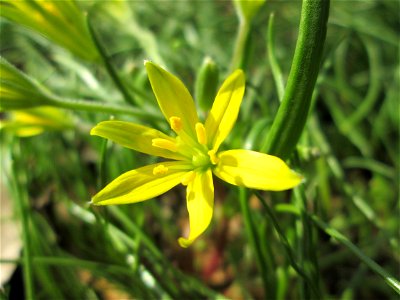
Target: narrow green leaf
(388,278)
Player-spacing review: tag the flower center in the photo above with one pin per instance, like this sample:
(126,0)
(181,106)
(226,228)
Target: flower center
(201,160)
(191,147)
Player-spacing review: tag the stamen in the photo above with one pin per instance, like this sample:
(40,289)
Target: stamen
(160,170)
(164,144)
(176,124)
(188,178)
(213,157)
(201,134)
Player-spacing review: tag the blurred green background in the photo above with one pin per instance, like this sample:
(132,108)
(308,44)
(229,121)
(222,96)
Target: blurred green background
(348,153)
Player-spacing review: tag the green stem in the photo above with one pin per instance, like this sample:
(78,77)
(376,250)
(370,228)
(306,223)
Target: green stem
(374,87)
(306,242)
(292,114)
(275,69)
(251,233)
(92,106)
(22,206)
(106,60)
(240,46)
(287,247)
(388,278)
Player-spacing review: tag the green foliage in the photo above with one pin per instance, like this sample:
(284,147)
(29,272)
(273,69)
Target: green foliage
(19,91)
(60,21)
(334,237)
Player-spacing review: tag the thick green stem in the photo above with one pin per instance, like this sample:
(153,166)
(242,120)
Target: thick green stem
(292,114)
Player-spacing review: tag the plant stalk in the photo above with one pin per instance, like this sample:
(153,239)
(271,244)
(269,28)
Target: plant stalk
(293,111)
(92,106)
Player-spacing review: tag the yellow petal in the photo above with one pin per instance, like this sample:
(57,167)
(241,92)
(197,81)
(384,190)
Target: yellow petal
(173,97)
(142,184)
(29,131)
(225,109)
(134,136)
(255,170)
(200,203)
(34,121)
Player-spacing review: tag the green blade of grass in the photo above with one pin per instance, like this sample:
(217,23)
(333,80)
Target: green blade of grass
(23,211)
(388,278)
(108,65)
(254,240)
(275,69)
(286,246)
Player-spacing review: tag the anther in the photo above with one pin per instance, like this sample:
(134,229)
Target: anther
(176,124)
(160,170)
(164,144)
(213,157)
(201,134)
(188,178)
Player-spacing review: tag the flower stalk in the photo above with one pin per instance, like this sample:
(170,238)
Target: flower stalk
(246,10)
(93,106)
(20,91)
(293,111)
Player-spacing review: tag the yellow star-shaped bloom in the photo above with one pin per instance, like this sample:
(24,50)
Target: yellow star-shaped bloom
(193,154)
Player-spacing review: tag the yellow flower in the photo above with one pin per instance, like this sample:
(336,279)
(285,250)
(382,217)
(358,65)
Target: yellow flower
(60,21)
(193,154)
(34,121)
